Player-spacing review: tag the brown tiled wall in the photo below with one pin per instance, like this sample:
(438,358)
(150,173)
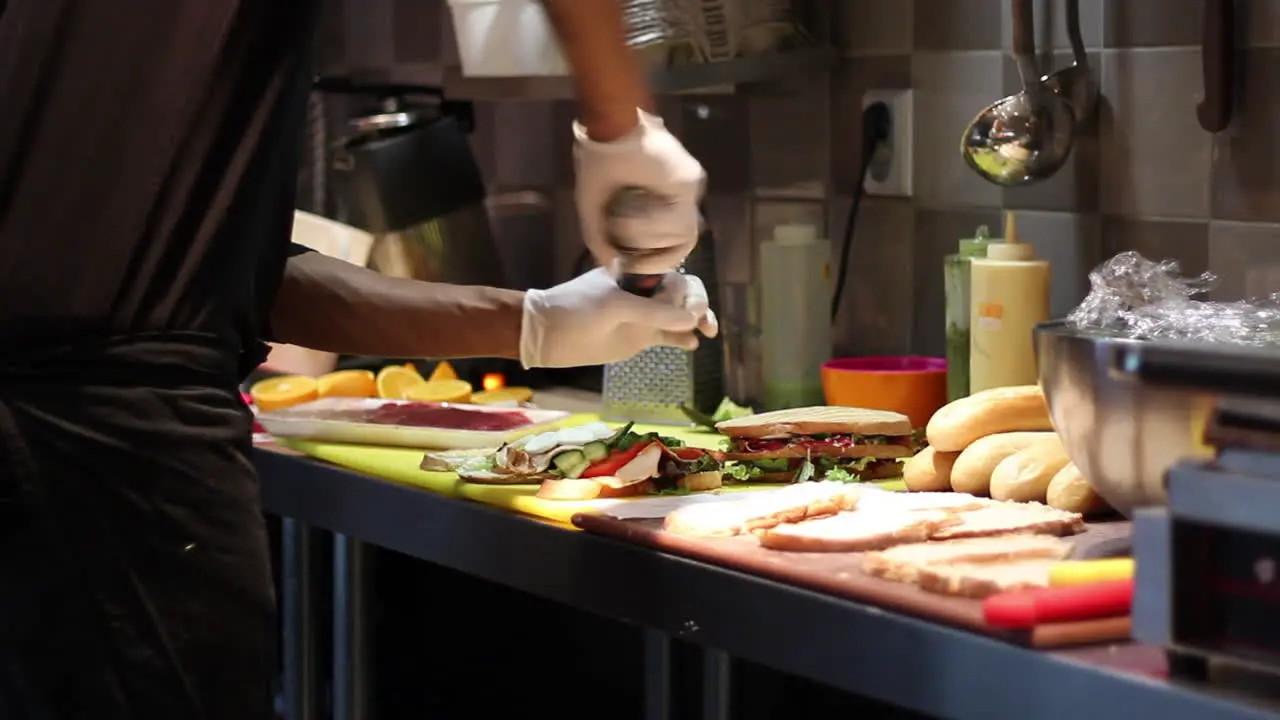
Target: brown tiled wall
(1146,177)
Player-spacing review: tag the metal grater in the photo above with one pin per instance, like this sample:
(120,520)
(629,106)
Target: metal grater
(651,386)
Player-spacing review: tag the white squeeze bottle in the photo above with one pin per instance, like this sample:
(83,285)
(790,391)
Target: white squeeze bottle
(1009,295)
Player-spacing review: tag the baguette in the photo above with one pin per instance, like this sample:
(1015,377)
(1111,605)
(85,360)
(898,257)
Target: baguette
(1024,476)
(929,471)
(1069,490)
(972,470)
(956,425)
(902,563)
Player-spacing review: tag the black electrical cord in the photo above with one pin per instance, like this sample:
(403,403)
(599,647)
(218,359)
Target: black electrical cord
(876,126)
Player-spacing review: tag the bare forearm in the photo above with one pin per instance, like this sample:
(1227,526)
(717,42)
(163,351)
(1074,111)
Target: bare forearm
(328,304)
(610,82)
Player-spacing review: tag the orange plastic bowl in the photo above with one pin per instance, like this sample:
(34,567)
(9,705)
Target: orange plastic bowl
(913,386)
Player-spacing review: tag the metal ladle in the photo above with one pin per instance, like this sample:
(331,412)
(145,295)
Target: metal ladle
(1075,84)
(1025,137)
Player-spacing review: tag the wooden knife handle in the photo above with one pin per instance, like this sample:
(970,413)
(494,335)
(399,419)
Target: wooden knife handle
(1218,61)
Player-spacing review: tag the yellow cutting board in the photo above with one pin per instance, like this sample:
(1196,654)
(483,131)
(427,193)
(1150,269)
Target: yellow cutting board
(399,465)
(402,465)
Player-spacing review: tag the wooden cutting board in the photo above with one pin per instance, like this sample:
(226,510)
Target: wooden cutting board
(841,574)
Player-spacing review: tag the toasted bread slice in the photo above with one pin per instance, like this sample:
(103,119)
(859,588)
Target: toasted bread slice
(558,488)
(762,510)
(856,531)
(895,501)
(1008,518)
(980,580)
(903,563)
(815,420)
(451,460)
(489,477)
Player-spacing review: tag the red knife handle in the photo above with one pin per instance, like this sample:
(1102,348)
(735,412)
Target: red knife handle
(1023,609)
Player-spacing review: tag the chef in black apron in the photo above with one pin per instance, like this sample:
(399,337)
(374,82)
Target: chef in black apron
(148,155)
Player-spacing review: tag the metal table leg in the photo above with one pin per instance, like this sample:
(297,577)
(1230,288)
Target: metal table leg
(297,621)
(717,684)
(350,635)
(657,675)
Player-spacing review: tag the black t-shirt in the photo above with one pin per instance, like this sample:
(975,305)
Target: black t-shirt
(148,161)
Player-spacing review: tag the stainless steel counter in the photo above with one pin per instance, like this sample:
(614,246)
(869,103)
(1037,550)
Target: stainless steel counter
(861,649)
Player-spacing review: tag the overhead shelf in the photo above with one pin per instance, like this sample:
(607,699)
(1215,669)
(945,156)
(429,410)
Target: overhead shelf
(678,79)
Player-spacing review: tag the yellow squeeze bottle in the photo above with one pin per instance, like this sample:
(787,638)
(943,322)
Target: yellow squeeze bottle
(1009,295)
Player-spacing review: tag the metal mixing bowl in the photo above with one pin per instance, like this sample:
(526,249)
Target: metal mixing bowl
(1122,435)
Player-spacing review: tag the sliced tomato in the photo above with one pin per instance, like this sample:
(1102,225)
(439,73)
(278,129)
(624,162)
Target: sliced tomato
(688,453)
(614,462)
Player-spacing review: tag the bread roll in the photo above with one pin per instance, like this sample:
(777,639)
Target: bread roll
(972,470)
(956,425)
(1069,490)
(1024,476)
(929,471)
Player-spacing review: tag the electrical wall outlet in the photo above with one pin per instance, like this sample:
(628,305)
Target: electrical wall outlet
(890,171)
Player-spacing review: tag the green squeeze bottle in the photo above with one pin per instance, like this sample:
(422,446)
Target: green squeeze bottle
(955,271)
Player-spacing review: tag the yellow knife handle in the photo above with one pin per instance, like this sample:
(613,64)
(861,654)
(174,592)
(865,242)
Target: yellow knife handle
(1081,572)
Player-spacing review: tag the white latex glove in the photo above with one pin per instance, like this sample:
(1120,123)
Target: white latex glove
(589,321)
(650,158)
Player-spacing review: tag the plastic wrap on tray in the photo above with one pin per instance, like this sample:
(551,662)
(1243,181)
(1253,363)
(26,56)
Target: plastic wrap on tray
(1134,297)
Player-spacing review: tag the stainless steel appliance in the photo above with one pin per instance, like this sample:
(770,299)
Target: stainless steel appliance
(1208,565)
(1123,435)
(404,171)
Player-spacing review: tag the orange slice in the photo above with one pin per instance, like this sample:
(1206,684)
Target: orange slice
(348,383)
(458,391)
(443,371)
(283,391)
(503,395)
(394,381)
(414,368)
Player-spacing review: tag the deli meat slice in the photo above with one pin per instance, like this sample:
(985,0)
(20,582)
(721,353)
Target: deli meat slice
(764,509)
(856,531)
(1007,518)
(980,580)
(904,562)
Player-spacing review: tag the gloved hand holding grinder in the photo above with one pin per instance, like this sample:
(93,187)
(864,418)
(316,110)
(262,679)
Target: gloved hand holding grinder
(589,320)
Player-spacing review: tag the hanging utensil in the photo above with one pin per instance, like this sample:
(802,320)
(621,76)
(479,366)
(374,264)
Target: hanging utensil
(1076,83)
(1218,62)
(1025,137)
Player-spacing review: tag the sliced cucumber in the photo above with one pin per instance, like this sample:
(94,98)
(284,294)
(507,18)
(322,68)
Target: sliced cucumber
(567,459)
(575,471)
(595,451)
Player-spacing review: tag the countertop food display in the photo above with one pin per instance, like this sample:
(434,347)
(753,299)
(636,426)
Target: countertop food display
(393,382)
(1000,443)
(936,554)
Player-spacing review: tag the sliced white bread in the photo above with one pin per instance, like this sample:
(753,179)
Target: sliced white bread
(980,580)
(764,509)
(856,531)
(903,563)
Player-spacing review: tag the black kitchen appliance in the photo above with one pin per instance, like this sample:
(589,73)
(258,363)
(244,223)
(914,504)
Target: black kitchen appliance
(404,171)
(1208,564)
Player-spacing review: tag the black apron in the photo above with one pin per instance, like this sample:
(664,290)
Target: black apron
(148,156)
